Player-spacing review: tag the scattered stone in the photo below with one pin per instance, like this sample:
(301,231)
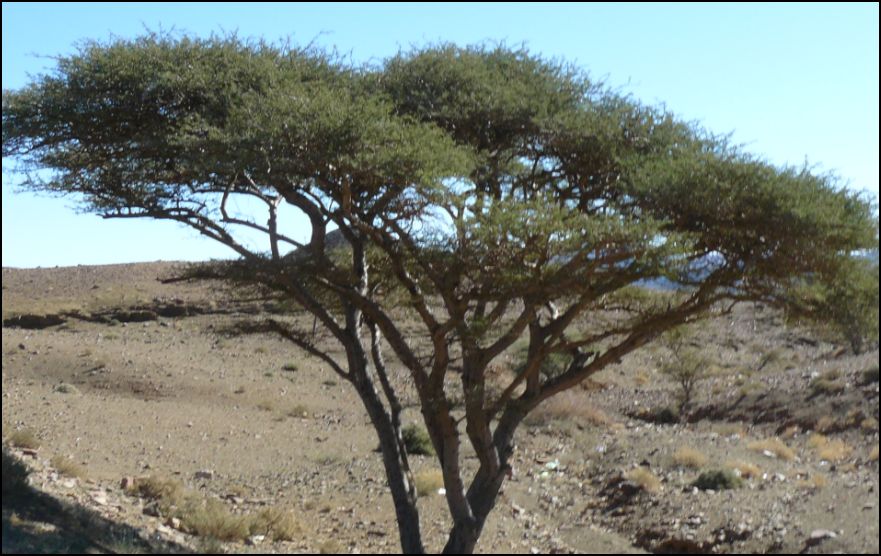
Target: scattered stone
(99,497)
(254,540)
(820,534)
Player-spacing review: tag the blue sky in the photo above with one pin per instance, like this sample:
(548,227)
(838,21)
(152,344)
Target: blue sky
(793,82)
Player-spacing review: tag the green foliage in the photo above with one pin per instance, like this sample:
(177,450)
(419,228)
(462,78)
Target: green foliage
(686,366)
(417,441)
(721,479)
(484,193)
(847,301)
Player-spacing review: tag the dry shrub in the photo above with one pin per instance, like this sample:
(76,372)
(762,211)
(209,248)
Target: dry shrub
(869,424)
(25,438)
(873,455)
(330,547)
(644,478)
(689,457)
(817,441)
(266,405)
(277,523)
(428,481)
(814,482)
(67,467)
(641,378)
(156,487)
(774,446)
(834,451)
(567,406)
(730,429)
(745,469)
(211,518)
(825,424)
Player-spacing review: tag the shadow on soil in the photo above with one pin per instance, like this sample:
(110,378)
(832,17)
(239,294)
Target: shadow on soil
(37,523)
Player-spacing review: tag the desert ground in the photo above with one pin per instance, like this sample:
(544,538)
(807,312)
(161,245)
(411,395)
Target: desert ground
(133,383)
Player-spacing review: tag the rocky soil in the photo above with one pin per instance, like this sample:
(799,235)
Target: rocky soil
(128,377)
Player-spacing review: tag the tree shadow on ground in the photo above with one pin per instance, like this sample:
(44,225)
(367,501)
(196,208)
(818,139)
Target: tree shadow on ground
(38,523)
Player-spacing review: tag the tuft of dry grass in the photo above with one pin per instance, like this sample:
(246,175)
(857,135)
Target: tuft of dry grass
(330,547)
(278,523)
(645,479)
(211,518)
(730,429)
(814,482)
(298,411)
(745,469)
(689,457)
(873,455)
(791,432)
(24,438)
(833,450)
(773,446)
(568,406)
(67,467)
(266,405)
(869,424)
(428,481)
(825,423)
(66,388)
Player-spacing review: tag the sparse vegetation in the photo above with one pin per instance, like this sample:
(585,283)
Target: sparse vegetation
(299,411)
(330,546)
(24,438)
(829,450)
(813,482)
(643,477)
(569,406)
(870,375)
(428,481)
(773,446)
(211,518)
(719,479)
(687,366)
(67,467)
(280,524)
(65,388)
(689,457)
(417,441)
(745,469)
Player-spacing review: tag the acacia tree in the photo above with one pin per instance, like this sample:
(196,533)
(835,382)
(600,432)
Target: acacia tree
(489,194)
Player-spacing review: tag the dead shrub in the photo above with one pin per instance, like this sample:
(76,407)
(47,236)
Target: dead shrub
(568,406)
(428,481)
(745,469)
(644,478)
(689,457)
(24,438)
(67,467)
(773,446)
(278,523)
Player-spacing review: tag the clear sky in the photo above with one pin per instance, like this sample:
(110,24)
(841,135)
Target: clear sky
(793,82)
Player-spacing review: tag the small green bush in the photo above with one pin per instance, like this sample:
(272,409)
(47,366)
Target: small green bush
(718,480)
(417,441)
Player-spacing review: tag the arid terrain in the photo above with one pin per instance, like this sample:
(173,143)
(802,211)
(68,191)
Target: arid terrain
(132,382)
